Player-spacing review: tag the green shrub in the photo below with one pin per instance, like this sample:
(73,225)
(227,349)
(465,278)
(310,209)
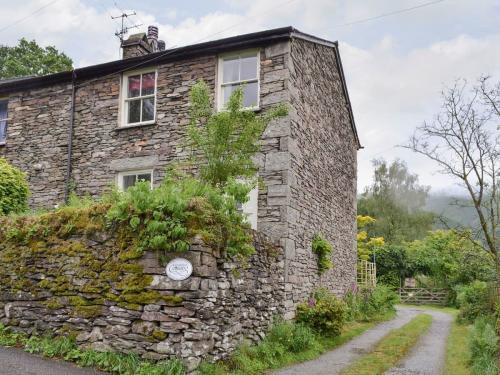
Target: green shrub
(169,216)
(14,189)
(474,300)
(325,313)
(224,142)
(483,345)
(294,337)
(323,250)
(370,303)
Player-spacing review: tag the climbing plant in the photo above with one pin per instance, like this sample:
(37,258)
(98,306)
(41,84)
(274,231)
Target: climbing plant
(323,249)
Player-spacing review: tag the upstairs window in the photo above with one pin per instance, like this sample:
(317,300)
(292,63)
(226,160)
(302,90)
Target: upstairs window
(139,93)
(3,121)
(130,178)
(235,70)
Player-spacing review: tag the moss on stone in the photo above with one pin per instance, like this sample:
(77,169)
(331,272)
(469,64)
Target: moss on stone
(159,335)
(53,303)
(87,311)
(83,263)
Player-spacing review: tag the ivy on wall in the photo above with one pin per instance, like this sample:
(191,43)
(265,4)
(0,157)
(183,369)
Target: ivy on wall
(323,249)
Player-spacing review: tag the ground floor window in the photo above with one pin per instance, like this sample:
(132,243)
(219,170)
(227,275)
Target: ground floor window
(130,178)
(250,208)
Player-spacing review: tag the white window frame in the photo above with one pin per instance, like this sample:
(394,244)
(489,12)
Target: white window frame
(121,175)
(125,99)
(6,119)
(220,75)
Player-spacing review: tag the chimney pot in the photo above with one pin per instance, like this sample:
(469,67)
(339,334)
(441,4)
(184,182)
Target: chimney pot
(161,45)
(153,32)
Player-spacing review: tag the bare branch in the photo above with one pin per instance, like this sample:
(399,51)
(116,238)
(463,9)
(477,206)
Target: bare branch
(460,140)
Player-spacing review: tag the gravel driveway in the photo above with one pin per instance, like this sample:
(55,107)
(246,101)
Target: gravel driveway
(427,357)
(335,360)
(17,362)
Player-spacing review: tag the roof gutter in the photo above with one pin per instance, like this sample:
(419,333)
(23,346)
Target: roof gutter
(70,137)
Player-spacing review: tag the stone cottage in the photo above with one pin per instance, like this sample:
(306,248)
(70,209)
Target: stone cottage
(125,120)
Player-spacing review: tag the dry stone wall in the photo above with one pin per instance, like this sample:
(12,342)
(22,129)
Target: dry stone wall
(85,285)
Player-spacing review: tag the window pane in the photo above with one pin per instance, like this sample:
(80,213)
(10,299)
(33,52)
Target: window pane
(230,70)
(144,177)
(148,109)
(250,94)
(129,181)
(3,130)
(134,86)
(227,91)
(134,111)
(248,68)
(148,84)
(3,110)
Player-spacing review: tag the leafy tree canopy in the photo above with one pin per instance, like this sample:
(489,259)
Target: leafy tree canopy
(366,245)
(225,142)
(27,58)
(396,200)
(450,258)
(446,258)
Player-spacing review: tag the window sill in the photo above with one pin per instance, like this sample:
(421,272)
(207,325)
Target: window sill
(141,125)
(3,144)
(252,109)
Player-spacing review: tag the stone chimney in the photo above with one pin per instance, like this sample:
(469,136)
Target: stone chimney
(141,44)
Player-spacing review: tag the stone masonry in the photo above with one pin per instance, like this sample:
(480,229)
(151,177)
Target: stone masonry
(221,303)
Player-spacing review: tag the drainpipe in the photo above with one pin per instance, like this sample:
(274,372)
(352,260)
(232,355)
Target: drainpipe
(70,137)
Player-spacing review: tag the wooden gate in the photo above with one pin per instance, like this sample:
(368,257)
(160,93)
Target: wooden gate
(423,296)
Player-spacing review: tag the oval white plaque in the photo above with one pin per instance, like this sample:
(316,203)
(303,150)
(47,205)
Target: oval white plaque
(179,269)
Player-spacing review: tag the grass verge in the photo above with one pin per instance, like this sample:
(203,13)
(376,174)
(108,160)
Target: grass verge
(394,346)
(286,344)
(65,348)
(457,347)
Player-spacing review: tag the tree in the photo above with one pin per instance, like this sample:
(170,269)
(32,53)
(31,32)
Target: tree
(393,265)
(225,142)
(449,258)
(396,199)
(29,59)
(14,190)
(461,140)
(366,245)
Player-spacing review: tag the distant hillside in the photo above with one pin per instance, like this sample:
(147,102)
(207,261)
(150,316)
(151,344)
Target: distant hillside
(452,210)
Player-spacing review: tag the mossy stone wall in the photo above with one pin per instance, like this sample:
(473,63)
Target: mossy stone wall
(68,273)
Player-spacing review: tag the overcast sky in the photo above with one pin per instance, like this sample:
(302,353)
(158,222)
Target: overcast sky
(395,65)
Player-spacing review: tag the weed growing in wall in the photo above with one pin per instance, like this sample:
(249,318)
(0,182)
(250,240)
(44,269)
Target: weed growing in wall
(323,249)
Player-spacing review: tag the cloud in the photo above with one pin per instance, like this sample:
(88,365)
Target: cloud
(392,93)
